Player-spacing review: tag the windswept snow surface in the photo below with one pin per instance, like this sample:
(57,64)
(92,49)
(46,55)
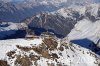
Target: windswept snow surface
(8,45)
(6,26)
(72,55)
(86,29)
(9,30)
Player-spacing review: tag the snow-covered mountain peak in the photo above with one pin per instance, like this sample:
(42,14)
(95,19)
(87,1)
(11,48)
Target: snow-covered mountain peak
(93,9)
(69,11)
(76,20)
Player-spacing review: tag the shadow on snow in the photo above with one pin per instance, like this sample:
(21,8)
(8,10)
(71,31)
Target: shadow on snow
(86,43)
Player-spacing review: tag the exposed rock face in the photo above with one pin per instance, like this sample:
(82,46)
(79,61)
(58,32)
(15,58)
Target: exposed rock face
(23,61)
(3,63)
(63,20)
(57,24)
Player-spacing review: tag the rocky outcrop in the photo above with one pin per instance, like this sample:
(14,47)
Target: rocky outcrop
(46,51)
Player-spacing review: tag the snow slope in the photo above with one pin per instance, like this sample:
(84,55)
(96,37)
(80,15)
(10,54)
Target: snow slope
(71,55)
(8,45)
(86,29)
(10,30)
(6,26)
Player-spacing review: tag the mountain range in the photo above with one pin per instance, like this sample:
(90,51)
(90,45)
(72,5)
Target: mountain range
(50,33)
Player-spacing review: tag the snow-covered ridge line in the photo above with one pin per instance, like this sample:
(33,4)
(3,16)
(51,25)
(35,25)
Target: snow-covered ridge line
(11,30)
(6,26)
(37,51)
(92,9)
